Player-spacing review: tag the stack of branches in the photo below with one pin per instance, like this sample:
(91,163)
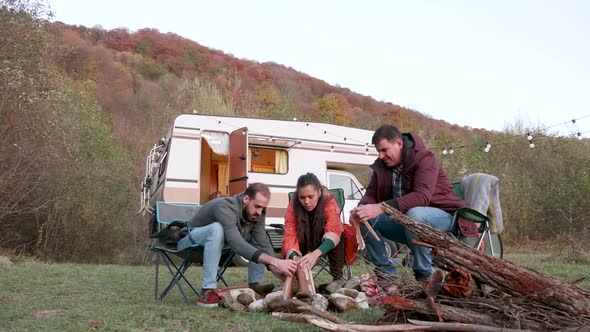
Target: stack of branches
(521,298)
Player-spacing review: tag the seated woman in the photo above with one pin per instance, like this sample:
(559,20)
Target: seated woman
(313,227)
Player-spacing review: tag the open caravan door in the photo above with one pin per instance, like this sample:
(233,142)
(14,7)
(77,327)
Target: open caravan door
(238,161)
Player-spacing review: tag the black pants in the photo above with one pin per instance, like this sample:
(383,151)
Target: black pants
(336,260)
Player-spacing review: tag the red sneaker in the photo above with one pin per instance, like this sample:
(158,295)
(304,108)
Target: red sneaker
(209,299)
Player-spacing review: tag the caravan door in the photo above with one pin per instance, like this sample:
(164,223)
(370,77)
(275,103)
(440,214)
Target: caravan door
(238,161)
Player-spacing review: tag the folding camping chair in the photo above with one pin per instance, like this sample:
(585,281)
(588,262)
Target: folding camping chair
(481,191)
(169,223)
(322,263)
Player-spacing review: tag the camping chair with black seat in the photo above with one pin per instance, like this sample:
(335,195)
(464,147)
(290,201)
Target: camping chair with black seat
(482,193)
(322,264)
(169,223)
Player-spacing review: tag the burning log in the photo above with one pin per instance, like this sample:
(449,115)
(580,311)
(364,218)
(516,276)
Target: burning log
(496,272)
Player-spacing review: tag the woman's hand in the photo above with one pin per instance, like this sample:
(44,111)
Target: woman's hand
(309,260)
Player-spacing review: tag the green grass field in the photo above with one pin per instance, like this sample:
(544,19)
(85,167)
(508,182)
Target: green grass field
(73,297)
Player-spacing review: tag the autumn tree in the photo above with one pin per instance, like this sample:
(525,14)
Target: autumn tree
(332,109)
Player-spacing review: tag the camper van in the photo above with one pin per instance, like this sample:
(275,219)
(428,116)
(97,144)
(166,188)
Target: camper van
(203,157)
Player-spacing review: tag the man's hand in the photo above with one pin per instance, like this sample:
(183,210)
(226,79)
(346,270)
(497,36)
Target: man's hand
(368,211)
(283,267)
(309,260)
(354,219)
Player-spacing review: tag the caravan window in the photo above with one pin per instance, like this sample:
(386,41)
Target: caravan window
(265,160)
(351,191)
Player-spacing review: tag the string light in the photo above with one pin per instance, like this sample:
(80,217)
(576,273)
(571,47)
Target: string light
(446,151)
(367,151)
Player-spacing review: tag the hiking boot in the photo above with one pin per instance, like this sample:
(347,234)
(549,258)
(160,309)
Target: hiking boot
(422,276)
(262,290)
(208,299)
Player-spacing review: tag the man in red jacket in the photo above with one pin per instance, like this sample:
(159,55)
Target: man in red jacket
(408,177)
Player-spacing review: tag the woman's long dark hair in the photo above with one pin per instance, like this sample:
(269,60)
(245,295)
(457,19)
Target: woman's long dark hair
(310,225)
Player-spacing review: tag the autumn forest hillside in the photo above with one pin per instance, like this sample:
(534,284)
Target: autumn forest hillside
(80,107)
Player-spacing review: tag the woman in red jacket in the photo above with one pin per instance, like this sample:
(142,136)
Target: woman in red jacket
(313,227)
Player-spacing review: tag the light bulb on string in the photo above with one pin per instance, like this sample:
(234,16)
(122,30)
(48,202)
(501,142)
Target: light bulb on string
(451,151)
(307,124)
(332,148)
(445,151)
(325,132)
(529,136)
(488,146)
(580,136)
(294,119)
(532,145)
(244,131)
(367,151)
(218,121)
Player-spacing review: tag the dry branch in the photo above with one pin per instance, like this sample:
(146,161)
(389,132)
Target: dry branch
(496,272)
(415,326)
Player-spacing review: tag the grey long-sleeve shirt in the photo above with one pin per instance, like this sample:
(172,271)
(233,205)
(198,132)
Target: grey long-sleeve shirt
(238,231)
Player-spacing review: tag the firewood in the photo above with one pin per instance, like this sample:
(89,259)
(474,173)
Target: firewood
(451,313)
(496,272)
(415,326)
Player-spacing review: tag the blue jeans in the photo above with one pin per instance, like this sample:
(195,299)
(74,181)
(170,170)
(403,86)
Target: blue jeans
(387,228)
(212,239)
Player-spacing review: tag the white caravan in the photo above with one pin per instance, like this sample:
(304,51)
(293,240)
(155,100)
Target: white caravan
(204,156)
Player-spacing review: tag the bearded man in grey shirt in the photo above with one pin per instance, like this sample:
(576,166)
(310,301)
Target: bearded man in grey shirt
(239,221)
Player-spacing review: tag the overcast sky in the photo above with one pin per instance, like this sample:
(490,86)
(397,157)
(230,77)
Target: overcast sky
(473,63)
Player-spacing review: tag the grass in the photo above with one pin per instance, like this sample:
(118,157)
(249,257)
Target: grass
(72,297)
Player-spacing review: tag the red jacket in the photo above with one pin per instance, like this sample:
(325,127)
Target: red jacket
(333,227)
(425,182)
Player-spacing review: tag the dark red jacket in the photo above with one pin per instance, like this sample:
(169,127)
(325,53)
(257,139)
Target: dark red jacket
(425,182)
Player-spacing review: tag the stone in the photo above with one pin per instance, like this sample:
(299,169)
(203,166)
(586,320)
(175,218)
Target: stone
(362,300)
(273,297)
(5,262)
(353,283)
(232,296)
(237,307)
(348,292)
(334,286)
(257,306)
(342,303)
(245,299)
(319,302)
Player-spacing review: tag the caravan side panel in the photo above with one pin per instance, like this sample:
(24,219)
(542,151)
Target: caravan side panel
(182,175)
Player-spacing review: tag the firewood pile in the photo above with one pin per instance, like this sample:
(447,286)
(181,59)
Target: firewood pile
(479,293)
